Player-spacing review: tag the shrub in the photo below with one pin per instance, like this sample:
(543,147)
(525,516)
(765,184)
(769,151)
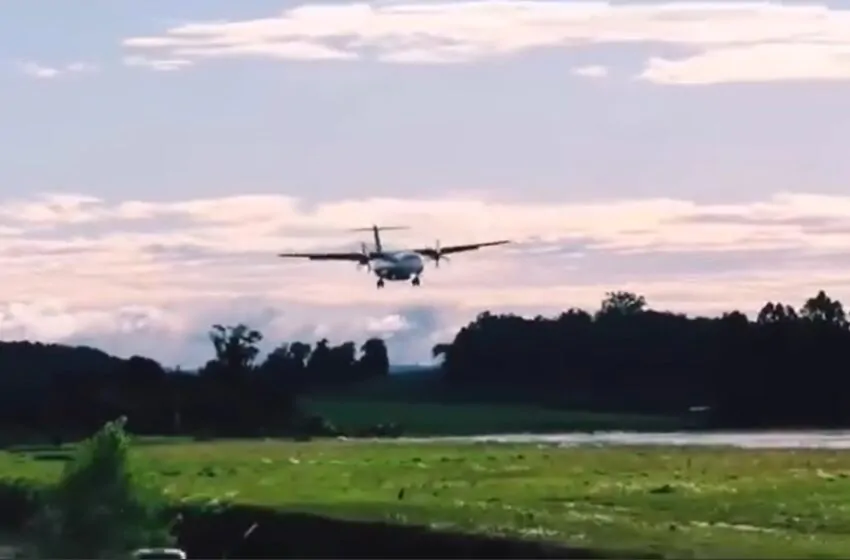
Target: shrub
(101,506)
(19,500)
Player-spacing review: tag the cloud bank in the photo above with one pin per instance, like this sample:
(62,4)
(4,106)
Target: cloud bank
(151,276)
(720,42)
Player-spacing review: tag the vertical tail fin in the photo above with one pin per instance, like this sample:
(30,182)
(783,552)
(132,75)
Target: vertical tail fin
(376,231)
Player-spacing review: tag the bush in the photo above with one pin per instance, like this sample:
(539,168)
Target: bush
(101,507)
(19,501)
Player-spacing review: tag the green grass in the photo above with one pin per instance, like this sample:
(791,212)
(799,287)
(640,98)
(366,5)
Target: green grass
(432,419)
(424,406)
(682,502)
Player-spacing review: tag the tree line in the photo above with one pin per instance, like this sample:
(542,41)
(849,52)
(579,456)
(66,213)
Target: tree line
(785,367)
(69,391)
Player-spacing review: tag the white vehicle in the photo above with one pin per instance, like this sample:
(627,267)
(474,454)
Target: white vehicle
(403,265)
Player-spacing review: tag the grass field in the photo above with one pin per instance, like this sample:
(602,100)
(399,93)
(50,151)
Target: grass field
(431,419)
(682,502)
(422,406)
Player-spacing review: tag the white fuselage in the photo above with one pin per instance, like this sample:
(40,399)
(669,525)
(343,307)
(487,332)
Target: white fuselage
(397,265)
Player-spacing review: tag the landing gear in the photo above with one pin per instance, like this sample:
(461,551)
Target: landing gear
(416,281)
(380,282)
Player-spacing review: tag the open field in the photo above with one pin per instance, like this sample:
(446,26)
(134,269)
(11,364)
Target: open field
(422,406)
(679,501)
(432,419)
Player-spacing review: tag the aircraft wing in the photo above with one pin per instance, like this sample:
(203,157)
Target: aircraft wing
(449,249)
(354,257)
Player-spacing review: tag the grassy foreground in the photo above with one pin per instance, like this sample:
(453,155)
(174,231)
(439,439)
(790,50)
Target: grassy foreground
(681,502)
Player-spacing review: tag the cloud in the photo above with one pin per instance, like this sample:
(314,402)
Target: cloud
(147,276)
(591,71)
(36,70)
(723,41)
(157,64)
(755,63)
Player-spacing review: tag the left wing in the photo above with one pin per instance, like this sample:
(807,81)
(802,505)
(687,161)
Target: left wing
(356,257)
(433,252)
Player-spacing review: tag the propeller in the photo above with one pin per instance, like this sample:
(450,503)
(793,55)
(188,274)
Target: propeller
(368,264)
(438,254)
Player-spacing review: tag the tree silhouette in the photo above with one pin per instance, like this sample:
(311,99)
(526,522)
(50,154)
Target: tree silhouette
(374,359)
(440,350)
(781,369)
(622,303)
(823,309)
(235,352)
(776,313)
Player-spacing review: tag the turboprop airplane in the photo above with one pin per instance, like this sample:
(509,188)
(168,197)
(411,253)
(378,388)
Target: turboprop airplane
(407,264)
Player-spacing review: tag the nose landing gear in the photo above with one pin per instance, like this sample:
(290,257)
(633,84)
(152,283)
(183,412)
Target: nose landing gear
(415,281)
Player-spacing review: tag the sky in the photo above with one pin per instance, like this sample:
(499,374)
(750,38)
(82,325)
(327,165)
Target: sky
(156,155)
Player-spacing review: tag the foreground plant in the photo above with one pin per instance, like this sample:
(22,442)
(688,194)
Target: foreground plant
(101,507)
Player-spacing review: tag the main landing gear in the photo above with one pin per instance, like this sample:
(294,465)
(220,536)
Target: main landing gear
(416,282)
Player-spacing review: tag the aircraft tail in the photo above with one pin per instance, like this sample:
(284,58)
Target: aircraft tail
(376,232)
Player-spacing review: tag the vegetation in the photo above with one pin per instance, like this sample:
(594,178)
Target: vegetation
(623,366)
(100,506)
(779,370)
(421,419)
(679,502)
(624,360)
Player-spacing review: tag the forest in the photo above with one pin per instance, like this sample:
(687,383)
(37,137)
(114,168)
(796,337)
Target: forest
(782,368)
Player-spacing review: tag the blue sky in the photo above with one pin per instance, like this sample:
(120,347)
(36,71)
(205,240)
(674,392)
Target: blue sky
(157,154)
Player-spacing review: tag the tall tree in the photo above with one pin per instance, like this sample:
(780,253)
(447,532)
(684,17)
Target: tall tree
(622,303)
(374,359)
(236,349)
(823,309)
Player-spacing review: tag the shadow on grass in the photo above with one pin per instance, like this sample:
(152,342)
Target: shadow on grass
(257,532)
(242,531)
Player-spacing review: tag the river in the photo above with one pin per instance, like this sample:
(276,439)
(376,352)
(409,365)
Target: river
(751,440)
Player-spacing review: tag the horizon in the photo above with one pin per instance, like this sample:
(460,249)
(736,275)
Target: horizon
(159,155)
(267,345)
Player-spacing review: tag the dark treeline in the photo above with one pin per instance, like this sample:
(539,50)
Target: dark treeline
(785,368)
(63,391)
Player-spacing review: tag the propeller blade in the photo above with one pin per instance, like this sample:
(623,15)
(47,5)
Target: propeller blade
(365,252)
(438,254)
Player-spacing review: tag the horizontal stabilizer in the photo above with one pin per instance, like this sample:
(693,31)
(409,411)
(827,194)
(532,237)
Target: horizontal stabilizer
(379,228)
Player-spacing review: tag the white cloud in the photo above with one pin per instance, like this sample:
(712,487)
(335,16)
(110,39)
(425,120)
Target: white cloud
(148,276)
(754,63)
(732,41)
(591,71)
(157,64)
(36,70)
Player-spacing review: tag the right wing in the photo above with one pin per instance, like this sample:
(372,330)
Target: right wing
(355,257)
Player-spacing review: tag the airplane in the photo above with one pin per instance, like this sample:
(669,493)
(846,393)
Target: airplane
(393,265)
